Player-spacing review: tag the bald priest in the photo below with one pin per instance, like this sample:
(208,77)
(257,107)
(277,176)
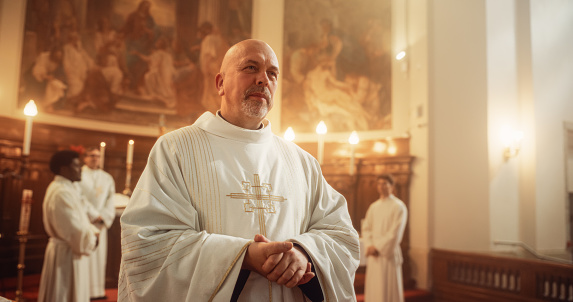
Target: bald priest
(227,211)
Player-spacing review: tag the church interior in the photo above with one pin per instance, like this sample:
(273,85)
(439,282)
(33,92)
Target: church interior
(477,129)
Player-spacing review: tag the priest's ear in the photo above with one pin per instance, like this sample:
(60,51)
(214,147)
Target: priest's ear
(219,84)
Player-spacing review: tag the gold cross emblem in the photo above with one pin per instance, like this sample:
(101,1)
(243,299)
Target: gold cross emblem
(257,198)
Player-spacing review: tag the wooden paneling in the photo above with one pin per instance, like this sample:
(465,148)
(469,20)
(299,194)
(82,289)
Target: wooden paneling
(472,277)
(17,173)
(360,191)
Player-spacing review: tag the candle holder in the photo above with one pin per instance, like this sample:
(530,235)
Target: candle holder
(22,235)
(13,171)
(127,191)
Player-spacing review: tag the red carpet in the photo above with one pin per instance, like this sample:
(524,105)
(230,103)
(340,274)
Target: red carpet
(30,287)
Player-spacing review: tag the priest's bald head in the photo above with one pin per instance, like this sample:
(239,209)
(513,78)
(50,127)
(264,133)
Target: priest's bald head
(247,83)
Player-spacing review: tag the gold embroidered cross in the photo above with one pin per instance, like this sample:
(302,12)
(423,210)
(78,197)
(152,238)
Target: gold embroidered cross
(257,197)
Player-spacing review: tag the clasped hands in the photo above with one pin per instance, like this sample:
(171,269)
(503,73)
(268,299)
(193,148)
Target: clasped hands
(278,261)
(372,251)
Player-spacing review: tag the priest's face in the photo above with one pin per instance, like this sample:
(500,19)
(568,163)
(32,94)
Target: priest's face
(72,172)
(384,187)
(247,83)
(92,159)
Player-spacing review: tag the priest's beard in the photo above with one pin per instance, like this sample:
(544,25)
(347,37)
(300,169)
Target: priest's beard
(253,108)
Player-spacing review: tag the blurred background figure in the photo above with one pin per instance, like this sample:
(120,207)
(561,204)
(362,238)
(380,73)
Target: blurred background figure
(98,189)
(382,231)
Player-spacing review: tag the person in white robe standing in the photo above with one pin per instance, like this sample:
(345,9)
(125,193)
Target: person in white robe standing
(98,189)
(382,232)
(72,237)
(227,211)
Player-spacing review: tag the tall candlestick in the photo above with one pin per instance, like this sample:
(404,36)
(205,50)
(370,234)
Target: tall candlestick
(30,111)
(101,154)
(353,140)
(129,159)
(25,211)
(321,131)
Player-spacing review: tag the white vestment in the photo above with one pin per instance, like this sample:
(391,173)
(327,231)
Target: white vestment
(98,188)
(65,273)
(206,191)
(383,228)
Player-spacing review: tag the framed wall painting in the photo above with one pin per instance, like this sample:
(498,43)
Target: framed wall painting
(336,66)
(138,62)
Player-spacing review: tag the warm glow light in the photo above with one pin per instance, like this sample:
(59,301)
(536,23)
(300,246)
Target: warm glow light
(400,55)
(321,128)
(102,144)
(379,147)
(511,140)
(31,109)
(517,136)
(129,159)
(289,134)
(392,150)
(353,139)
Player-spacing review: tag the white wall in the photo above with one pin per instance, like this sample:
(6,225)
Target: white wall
(458,178)
(552,49)
(420,227)
(503,112)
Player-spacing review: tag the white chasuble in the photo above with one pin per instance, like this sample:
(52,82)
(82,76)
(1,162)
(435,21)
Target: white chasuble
(98,188)
(65,273)
(383,228)
(206,191)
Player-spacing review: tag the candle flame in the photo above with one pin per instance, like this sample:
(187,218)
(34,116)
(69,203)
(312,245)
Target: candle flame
(321,128)
(400,55)
(392,150)
(102,144)
(353,139)
(131,142)
(31,109)
(289,134)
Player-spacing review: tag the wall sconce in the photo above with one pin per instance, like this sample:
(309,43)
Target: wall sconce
(512,142)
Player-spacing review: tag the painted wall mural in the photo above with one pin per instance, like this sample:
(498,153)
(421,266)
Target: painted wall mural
(128,61)
(336,66)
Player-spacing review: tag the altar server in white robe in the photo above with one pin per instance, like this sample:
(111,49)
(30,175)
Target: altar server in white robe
(98,189)
(209,189)
(382,232)
(65,273)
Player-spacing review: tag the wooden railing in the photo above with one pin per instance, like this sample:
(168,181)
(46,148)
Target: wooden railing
(465,276)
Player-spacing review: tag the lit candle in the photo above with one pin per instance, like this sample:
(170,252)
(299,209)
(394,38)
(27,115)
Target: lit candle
(30,111)
(130,152)
(353,140)
(392,149)
(321,131)
(289,134)
(101,154)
